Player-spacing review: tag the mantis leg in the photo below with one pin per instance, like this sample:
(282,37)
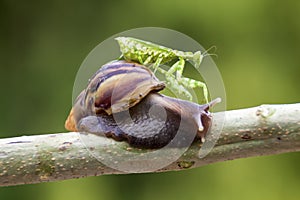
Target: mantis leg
(174,85)
(178,88)
(180,83)
(147,60)
(191,83)
(121,57)
(156,64)
(178,68)
(140,60)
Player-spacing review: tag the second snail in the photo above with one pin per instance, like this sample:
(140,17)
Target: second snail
(118,103)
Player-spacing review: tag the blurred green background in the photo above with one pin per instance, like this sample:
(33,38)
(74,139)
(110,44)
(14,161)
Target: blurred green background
(42,44)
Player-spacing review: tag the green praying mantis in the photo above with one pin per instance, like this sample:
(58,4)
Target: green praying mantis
(146,53)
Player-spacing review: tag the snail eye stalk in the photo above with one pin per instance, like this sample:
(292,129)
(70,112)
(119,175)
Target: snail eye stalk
(121,92)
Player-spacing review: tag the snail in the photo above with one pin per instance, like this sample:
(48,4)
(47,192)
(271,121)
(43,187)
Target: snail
(118,103)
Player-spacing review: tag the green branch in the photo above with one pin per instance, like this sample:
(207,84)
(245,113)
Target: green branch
(258,131)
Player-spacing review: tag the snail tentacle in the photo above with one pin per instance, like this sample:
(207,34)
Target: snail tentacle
(117,103)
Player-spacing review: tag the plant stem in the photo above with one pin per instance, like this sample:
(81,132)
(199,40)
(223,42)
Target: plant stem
(257,131)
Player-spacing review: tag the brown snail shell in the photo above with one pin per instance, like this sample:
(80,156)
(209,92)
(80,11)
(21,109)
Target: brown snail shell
(117,86)
(113,98)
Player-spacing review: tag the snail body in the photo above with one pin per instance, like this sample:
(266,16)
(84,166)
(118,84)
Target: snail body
(129,108)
